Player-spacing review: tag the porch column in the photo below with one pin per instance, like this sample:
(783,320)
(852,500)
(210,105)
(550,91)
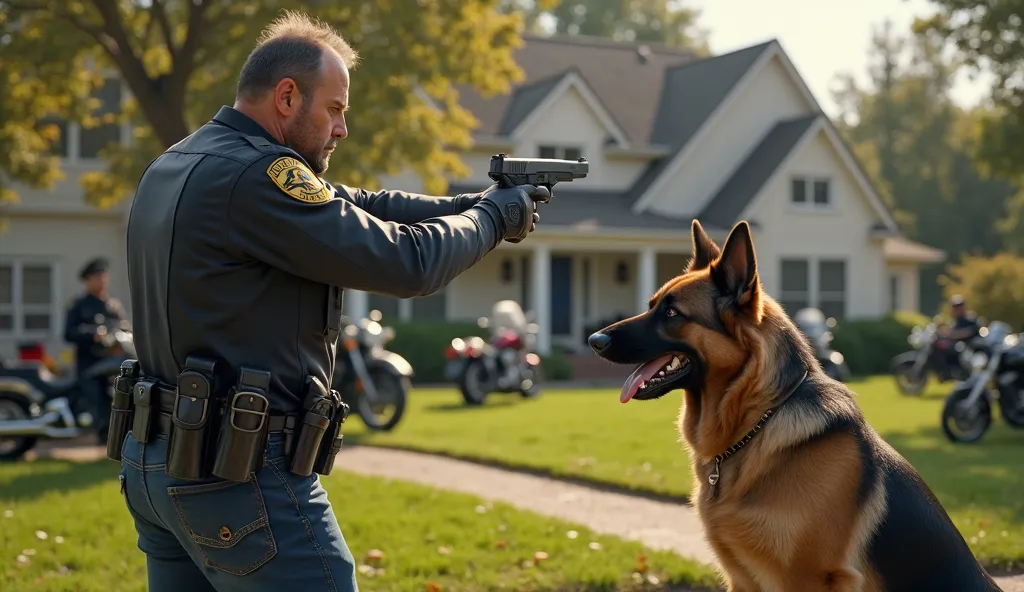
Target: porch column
(646,278)
(357,304)
(540,277)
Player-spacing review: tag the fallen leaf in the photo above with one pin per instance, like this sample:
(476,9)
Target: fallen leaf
(22,561)
(641,564)
(432,587)
(41,535)
(481,510)
(527,564)
(594,546)
(375,554)
(365,569)
(540,556)
(653,580)
(502,544)
(28,551)
(58,539)
(444,550)
(8,513)
(572,534)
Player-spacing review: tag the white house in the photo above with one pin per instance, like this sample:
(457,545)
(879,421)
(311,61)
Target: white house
(669,138)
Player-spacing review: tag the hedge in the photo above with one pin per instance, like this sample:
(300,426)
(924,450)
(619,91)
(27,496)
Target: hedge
(423,344)
(869,345)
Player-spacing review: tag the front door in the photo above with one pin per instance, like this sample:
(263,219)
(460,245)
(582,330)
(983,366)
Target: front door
(561,295)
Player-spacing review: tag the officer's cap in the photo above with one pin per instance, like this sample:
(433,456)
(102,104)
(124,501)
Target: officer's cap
(98,265)
(956,300)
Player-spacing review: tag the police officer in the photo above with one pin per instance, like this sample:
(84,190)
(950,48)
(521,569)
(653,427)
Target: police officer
(239,251)
(86,314)
(965,326)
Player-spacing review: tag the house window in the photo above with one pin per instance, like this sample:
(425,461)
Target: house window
(832,288)
(808,192)
(563,152)
(27,290)
(78,142)
(796,283)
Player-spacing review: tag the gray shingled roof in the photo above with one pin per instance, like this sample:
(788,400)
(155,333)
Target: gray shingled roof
(748,178)
(659,96)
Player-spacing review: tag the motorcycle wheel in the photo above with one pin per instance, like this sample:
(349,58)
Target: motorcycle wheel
(956,426)
(534,379)
(1011,406)
(474,383)
(14,408)
(907,382)
(385,413)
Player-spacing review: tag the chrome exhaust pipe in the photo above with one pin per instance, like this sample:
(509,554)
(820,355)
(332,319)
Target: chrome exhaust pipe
(41,426)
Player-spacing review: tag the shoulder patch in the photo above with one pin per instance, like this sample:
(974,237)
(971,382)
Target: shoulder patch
(297,181)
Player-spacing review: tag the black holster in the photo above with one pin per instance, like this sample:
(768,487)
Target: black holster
(319,412)
(121,408)
(189,444)
(331,444)
(241,449)
(143,396)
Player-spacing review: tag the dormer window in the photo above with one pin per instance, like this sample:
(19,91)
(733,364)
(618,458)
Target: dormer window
(563,152)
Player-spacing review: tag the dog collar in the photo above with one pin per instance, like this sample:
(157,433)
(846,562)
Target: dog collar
(716,472)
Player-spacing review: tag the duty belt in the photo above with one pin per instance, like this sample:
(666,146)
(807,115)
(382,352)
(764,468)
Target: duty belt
(213,431)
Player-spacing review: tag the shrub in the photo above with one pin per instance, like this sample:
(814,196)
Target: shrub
(992,286)
(423,344)
(870,344)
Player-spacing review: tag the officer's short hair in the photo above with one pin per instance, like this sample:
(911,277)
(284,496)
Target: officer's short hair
(291,47)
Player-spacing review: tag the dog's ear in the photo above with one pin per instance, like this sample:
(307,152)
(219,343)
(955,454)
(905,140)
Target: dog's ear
(704,249)
(735,271)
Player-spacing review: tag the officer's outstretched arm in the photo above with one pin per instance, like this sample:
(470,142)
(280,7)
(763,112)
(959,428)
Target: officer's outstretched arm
(282,215)
(400,206)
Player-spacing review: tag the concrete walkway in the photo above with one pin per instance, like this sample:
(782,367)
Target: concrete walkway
(657,524)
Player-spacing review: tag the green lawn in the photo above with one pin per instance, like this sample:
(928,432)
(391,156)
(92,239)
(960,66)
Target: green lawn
(590,435)
(63,526)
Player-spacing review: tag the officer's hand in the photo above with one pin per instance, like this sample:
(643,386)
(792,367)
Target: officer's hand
(518,208)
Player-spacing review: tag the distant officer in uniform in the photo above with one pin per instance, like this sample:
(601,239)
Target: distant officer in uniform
(237,255)
(81,322)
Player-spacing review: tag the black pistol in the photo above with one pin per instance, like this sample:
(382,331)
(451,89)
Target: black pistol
(509,172)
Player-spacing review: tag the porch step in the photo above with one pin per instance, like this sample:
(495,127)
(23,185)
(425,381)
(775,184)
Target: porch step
(589,367)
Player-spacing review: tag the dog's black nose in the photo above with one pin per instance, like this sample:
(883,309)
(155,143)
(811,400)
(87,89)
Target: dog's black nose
(599,341)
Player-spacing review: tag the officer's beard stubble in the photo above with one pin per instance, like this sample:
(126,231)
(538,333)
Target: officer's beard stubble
(303,137)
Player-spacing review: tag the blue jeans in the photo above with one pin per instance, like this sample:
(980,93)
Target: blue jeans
(276,531)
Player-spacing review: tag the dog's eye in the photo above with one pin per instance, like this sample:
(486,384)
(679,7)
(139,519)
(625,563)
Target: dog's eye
(671,312)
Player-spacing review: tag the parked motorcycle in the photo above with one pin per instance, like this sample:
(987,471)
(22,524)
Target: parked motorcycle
(505,363)
(36,404)
(817,329)
(373,381)
(930,356)
(997,365)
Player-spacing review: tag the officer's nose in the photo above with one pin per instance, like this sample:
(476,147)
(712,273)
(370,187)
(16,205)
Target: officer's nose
(599,341)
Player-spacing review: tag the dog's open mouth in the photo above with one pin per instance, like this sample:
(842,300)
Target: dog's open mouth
(655,378)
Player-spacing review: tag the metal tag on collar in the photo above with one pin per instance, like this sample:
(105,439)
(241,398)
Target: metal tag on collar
(716,472)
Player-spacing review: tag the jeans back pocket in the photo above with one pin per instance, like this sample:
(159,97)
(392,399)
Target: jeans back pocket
(228,522)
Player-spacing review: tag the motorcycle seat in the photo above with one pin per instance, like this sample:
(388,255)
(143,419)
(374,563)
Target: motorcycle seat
(40,378)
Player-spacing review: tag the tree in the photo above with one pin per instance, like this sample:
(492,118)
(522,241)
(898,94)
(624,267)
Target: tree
(919,147)
(669,22)
(180,59)
(988,34)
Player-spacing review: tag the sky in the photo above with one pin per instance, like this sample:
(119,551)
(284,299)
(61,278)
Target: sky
(821,37)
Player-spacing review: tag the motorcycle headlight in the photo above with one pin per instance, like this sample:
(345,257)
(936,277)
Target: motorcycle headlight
(1011,340)
(978,361)
(836,357)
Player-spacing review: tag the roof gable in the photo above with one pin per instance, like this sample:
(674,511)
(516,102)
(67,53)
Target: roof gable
(530,102)
(753,173)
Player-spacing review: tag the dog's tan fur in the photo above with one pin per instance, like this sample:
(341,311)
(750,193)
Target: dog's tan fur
(785,518)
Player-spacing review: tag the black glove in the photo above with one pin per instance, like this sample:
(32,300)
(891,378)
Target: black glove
(514,209)
(464,201)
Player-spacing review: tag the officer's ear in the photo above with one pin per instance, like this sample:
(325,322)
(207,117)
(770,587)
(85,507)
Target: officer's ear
(286,96)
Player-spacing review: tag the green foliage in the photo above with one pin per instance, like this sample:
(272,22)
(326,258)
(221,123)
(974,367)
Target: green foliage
(423,344)
(992,286)
(870,344)
(988,34)
(653,21)
(180,60)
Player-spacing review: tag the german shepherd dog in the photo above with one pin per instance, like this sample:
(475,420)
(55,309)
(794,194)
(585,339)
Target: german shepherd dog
(796,491)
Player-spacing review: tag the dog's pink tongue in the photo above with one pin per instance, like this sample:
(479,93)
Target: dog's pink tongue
(642,374)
